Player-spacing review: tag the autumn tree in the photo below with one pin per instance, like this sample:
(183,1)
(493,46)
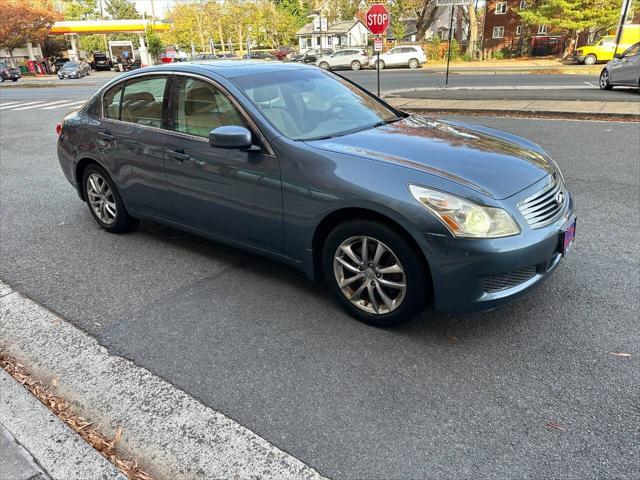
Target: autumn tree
(23,21)
(121,9)
(572,17)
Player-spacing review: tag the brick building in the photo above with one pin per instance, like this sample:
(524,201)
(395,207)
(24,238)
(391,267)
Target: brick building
(503,28)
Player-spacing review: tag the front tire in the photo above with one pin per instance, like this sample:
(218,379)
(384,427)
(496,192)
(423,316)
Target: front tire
(104,201)
(605,81)
(374,273)
(590,59)
(379,64)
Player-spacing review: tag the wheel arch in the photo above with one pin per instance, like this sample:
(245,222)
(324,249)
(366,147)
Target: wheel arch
(336,217)
(81,166)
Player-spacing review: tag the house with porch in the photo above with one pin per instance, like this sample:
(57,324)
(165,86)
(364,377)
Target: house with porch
(319,33)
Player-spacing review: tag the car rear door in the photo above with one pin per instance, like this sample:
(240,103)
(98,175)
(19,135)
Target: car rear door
(130,140)
(235,194)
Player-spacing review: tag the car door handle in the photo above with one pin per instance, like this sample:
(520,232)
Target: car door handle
(179,155)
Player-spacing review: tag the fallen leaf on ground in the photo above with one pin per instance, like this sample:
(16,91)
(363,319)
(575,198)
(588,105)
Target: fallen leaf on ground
(555,426)
(54,382)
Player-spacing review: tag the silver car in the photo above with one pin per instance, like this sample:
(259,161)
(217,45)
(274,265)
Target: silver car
(353,58)
(624,70)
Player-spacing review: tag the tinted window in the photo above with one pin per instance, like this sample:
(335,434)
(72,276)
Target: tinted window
(633,50)
(111,102)
(142,101)
(308,104)
(201,107)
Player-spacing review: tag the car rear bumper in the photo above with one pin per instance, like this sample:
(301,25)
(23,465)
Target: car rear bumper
(480,274)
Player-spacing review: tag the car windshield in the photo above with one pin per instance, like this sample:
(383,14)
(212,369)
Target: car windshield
(70,66)
(313,104)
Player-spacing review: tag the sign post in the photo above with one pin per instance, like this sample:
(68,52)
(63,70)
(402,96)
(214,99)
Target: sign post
(377,21)
(452,3)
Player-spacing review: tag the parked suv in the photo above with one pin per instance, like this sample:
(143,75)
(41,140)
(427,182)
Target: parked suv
(409,56)
(353,58)
(101,61)
(311,55)
(9,73)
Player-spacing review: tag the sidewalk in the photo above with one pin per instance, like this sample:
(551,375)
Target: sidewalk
(15,462)
(533,65)
(561,108)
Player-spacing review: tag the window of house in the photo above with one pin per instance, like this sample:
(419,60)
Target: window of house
(201,107)
(498,32)
(543,29)
(330,40)
(318,41)
(501,8)
(142,101)
(519,30)
(523,4)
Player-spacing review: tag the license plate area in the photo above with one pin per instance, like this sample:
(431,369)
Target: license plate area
(567,236)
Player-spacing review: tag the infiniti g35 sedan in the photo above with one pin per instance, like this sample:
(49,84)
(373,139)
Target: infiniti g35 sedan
(296,163)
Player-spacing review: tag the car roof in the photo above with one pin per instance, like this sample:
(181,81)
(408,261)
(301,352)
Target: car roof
(228,68)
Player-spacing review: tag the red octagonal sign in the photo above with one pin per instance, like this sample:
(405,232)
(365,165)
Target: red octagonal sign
(377,19)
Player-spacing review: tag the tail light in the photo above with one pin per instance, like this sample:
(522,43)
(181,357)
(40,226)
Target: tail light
(58,129)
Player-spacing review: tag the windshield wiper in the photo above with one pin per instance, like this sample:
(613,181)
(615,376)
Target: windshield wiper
(354,130)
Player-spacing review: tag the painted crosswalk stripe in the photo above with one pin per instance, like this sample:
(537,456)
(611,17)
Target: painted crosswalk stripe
(6,104)
(4,107)
(46,104)
(65,105)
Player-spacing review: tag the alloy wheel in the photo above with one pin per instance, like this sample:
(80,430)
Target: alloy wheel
(604,79)
(355,65)
(413,63)
(369,275)
(101,199)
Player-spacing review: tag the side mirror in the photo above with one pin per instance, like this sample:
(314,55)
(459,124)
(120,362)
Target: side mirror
(231,136)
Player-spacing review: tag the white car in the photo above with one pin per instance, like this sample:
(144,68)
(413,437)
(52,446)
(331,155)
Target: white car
(408,56)
(353,58)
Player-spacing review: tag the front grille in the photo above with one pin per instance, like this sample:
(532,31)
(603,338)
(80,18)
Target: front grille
(495,283)
(547,205)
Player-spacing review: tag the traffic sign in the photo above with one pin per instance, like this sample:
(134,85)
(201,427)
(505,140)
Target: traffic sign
(377,44)
(377,19)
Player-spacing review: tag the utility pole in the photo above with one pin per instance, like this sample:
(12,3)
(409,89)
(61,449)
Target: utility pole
(623,16)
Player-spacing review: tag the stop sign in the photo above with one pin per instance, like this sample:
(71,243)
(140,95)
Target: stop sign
(377,19)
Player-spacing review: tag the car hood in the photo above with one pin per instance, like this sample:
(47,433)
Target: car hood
(489,161)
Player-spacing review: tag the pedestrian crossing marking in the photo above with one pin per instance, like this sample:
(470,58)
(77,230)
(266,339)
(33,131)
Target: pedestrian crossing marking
(45,104)
(16,106)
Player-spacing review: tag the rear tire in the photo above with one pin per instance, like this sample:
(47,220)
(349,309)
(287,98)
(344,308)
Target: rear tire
(104,201)
(414,63)
(356,65)
(396,278)
(324,65)
(605,82)
(590,59)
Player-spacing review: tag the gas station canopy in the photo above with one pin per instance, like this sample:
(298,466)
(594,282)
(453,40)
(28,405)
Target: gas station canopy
(107,26)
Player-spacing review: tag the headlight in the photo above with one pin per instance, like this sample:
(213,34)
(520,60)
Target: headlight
(464,218)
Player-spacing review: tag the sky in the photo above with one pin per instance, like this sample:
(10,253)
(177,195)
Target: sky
(160,6)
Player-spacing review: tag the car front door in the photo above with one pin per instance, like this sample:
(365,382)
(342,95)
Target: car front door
(393,57)
(232,193)
(130,141)
(338,59)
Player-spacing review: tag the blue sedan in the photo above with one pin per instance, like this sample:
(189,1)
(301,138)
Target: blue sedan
(392,210)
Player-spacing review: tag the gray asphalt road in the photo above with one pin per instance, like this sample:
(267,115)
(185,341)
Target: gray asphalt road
(532,390)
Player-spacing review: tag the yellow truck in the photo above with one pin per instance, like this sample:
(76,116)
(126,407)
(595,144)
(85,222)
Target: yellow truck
(603,49)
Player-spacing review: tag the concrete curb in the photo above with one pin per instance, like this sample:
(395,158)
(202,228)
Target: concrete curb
(628,111)
(168,432)
(61,452)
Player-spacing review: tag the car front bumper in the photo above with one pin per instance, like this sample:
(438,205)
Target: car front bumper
(480,274)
